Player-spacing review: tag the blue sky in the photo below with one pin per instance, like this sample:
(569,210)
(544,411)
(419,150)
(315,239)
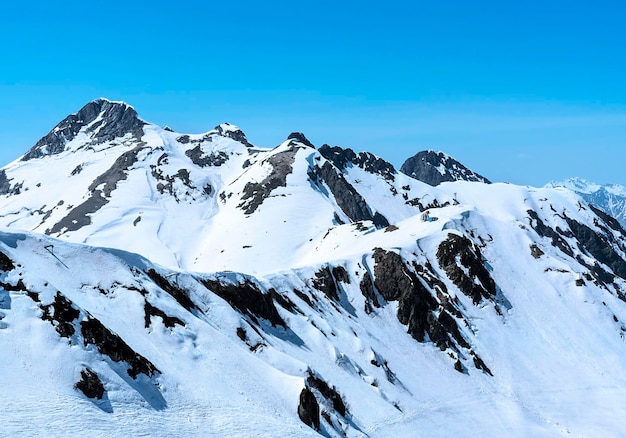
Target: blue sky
(525,92)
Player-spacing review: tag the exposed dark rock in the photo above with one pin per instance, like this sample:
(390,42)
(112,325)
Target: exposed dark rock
(117,120)
(5,185)
(111,345)
(340,274)
(479,364)
(78,169)
(255,193)
(535,251)
(342,158)
(235,134)
(180,295)
(168,321)
(325,283)
(468,274)
(598,246)
(348,199)
(391,277)
(299,137)
(241,334)
(416,202)
(90,384)
(395,282)
(79,216)
(198,157)
(609,220)
(61,313)
(436,167)
(17,287)
(309,409)
(166,182)
(283,301)
(303,297)
(6,264)
(247,298)
(117,172)
(367,289)
(328,393)
(545,231)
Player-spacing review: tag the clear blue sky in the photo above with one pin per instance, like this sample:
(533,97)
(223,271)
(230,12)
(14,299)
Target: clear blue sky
(524,92)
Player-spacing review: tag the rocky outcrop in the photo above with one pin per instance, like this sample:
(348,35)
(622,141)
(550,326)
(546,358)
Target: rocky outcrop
(436,167)
(61,313)
(111,345)
(342,158)
(102,119)
(100,190)
(168,321)
(247,298)
(179,294)
(254,193)
(544,230)
(90,384)
(417,308)
(462,261)
(309,409)
(232,132)
(599,246)
(5,185)
(199,158)
(300,138)
(348,199)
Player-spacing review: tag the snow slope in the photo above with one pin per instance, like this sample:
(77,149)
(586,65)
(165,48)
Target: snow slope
(302,294)
(610,198)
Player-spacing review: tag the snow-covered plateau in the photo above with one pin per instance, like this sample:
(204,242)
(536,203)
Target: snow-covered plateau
(154,283)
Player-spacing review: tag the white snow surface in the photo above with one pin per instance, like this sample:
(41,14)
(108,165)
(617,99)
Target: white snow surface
(610,198)
(552,338)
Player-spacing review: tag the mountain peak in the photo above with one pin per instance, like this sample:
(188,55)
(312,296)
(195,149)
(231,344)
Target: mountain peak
(300,137)
(434,167)
(102,119)
(231,131)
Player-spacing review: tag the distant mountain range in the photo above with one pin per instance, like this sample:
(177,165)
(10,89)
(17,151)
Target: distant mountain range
(156,283)
(610,198)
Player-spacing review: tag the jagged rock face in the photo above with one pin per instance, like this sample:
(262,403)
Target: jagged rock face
(341,158)
(5,185)
(309,409)
(90,384)
(254,193)
(463,263)
(112,120)
(416,304)
(247,298)
(300,138)
(436,167)
(230,131)
(347,197)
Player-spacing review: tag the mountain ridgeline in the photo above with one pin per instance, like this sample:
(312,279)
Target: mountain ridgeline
(198,284)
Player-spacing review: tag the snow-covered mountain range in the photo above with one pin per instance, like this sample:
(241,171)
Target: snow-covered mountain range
(161,283)
(610,198)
